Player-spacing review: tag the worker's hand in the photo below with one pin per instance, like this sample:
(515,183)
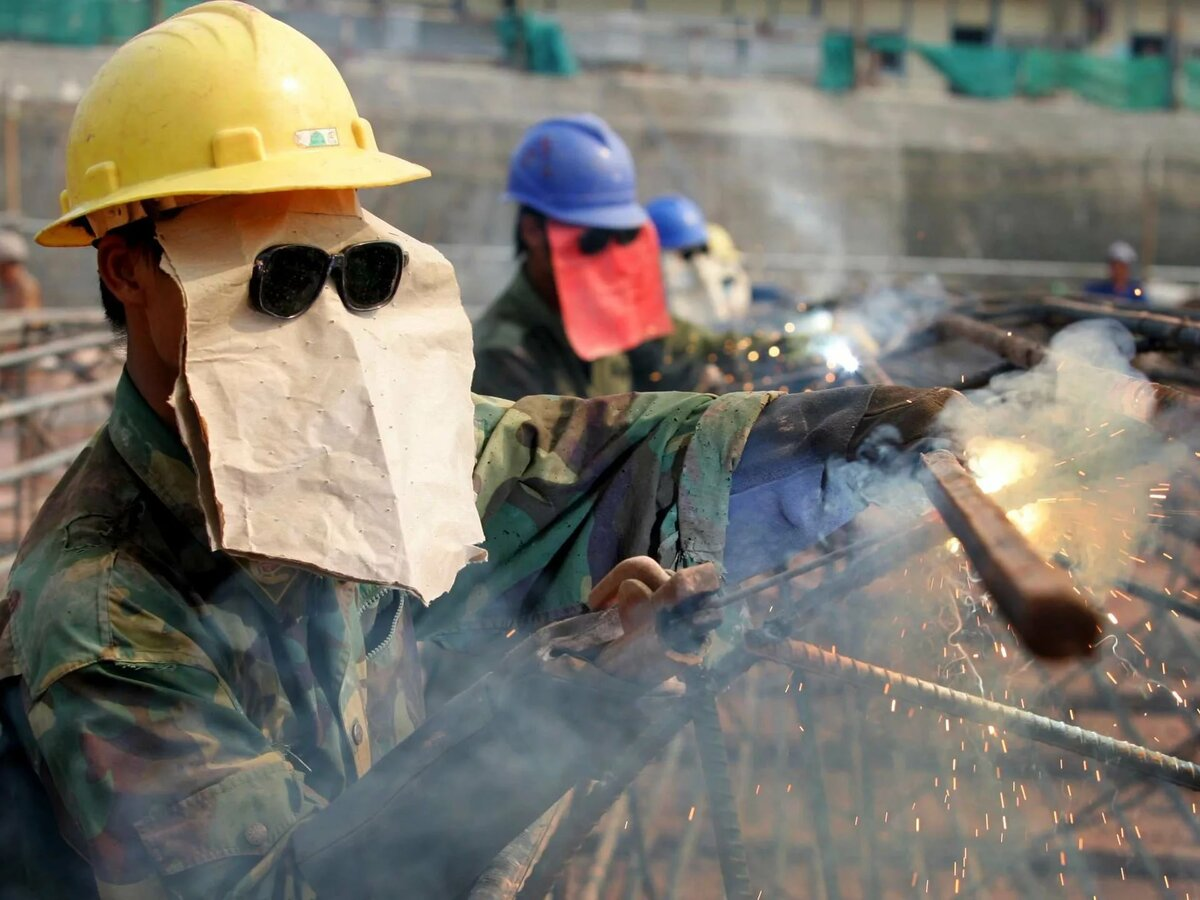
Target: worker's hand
(667,617)
(899,419)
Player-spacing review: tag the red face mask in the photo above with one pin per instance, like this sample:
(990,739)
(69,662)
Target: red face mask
(612,300)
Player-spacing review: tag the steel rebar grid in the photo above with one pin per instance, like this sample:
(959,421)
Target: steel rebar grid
(802,655)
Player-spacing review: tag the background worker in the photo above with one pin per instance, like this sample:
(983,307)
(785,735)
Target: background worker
(705,282)
(586,314)
(209,679)
(1120,283)
(19,289)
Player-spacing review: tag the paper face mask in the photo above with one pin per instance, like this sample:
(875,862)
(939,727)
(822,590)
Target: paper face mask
(338,440)
(705,291)
(612,301)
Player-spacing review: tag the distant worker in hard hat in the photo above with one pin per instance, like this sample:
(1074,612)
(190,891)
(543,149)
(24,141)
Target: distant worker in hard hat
(585,314)
(19,289)
(1120,283)
(705,281)
(211,683)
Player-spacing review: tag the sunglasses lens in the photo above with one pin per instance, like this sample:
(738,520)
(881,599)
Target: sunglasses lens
(593,241)
(287,279)
(371,274)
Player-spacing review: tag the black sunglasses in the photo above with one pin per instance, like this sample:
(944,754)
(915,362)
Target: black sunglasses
(594,240)
(287,278)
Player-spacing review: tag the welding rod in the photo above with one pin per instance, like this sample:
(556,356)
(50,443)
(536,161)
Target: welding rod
(1038,599)
(802,655)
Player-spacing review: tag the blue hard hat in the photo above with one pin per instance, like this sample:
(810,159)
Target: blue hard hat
(576,170)
(679,221)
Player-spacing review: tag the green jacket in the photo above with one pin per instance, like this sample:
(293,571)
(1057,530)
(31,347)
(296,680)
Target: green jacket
(185,710)
(521,348)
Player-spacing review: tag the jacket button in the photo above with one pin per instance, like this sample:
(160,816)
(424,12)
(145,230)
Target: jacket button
(357,732)
(256,834)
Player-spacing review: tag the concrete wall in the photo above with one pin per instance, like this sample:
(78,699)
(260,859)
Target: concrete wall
(796,175)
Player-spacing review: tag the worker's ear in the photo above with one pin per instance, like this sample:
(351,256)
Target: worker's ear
(123,271)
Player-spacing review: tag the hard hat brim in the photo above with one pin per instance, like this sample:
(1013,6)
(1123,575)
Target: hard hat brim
(333,168)
(618,216)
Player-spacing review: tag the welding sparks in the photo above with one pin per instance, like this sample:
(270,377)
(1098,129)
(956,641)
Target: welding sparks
(838,355)
(998,463)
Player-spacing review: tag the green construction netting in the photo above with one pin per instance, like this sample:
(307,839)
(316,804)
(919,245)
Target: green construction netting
(1137,83)
(975,71)
(837,62)
(999,72)
(1191,83)
(536,43)
(80,21)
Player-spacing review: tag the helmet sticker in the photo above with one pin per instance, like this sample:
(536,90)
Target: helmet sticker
(317,137)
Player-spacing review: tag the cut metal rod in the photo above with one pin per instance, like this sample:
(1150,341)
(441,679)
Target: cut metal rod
(802,655)
(1038,599)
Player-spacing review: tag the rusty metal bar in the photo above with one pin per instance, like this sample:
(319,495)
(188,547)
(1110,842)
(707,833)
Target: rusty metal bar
(1177,330)
(1151,763)
(1017,349)
(714,762)
(1145,401)
(1039,600)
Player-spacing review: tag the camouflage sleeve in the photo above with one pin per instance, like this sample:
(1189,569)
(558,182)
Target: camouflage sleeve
(173,790)
(567,488)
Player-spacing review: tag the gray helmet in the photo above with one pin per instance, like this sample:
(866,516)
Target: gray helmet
(1122,252)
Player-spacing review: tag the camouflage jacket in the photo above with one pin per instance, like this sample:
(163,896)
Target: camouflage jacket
(185,710)
(521,348)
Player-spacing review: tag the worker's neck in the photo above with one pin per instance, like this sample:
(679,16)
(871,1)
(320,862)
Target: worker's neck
(541,279)
(154,379)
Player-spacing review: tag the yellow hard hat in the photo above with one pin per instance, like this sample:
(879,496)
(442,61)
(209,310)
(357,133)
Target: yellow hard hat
(720,244)
(219,99)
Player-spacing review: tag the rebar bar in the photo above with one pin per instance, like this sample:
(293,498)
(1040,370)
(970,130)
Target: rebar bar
(714,762)
(1146,401)
(1177,330)
(802,655)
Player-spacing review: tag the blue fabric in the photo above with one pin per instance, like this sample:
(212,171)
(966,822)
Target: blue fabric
(576,170)
(782,500)
(679,222)
(1133,292)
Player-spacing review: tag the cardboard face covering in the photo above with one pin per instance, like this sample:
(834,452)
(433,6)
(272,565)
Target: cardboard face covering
(704,290)
(341,441)
(613,300)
